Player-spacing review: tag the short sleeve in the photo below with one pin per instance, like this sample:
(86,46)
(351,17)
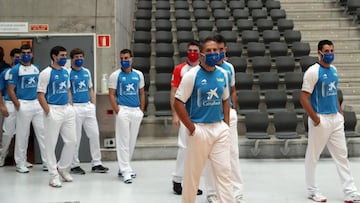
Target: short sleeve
(113,79)
(310,78)
(44,78)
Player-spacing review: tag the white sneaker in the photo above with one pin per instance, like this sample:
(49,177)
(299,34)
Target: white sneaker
(2,161)
(29,165)
(127,178)
(352,198)
(22,169)
(239,199)
(55,181)
(212,199)
(317,197)
(65,175)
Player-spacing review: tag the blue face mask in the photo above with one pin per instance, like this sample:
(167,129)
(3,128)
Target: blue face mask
(212,59)
(221,55)
(17,61)
(125,64)
(328,58)
(61,61)
(79,62)
(26,58)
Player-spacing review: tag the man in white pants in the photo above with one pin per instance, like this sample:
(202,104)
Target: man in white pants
(326,123)
(127,98)
(59,115)
(234,144)
(22,91)
(84,105)
(193,51)
(7,107)
(204,91)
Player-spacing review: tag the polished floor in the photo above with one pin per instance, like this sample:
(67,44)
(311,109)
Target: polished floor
(266,180)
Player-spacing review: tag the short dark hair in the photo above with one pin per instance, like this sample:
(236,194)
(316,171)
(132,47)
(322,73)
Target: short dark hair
(322,43)
(207,39)
(126,51)
(76,51)
(194,43)
(25,46)
(220,39)
(15,51)
(56,50)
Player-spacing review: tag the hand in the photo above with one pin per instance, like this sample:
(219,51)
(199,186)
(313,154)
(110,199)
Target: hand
(192,130)
(316,122)
(4,111)
(17,105)
(176,121)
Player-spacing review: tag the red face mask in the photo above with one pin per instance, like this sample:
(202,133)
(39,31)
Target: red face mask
(193,56)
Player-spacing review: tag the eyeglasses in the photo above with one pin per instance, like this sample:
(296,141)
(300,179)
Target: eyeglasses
(26,52)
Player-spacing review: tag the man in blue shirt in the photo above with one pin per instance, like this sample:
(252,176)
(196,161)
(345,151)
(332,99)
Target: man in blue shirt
(127,98)
(83,98)
(326,123)
(59,115)
(22,92)
(204,91)
(7,107)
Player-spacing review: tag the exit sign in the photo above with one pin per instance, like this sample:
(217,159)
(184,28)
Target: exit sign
(103,41)
(39,27)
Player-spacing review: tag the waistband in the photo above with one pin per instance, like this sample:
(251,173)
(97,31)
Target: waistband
(128,107)
(204,124)
(28,101)
(81,104)
(58,106)
(328,115)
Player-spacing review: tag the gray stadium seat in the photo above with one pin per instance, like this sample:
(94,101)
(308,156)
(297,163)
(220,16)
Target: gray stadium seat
(292,36)
(223,24)
(217,5)
(239,63)
(300,49)
(244,24)
(183,24)
(181,5)
(221,14)
(256,124)
(293,80)
(143,25)
(243,81)
(184,36)
(162,81)
(164,49)
(264,24)
(199,5)
(285,124)
(350,121)
(270,4)
(284,64)
(203,24)
(204,34)
(351,6)
(162,103)
(147,81)
(255,49)
(260,64)
(248,101)
(275,100)
(162,14)
(229,36)
(296,101)
(277,14)
(236,4)
(258,14)
(307,61)
(278,49)
(240,14)
(249,36)
(182,14)
(144,5)
(163,25)
(254,4)
(285,24)
(163,36)
(164,65)
(268,80)
(141,50)
(143,14)
(142,37)
(183,49)
(271,36)
(142,64)
(233,49)
(201,14)
(162,5)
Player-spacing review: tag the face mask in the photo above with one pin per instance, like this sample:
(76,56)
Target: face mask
(328,58)
(211,59)
(26,58)
(125,64)
(79,62)
(221,55)
(17,61)
(193,56)
(61,61)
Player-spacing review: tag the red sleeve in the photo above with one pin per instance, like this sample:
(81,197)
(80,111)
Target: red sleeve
(176,77)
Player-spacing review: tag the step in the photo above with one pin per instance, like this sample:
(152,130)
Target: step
(313,5)
(314,13)
(340,44)
(334,33)
(301,23)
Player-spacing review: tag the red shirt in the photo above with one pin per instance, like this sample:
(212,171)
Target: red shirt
(178,73)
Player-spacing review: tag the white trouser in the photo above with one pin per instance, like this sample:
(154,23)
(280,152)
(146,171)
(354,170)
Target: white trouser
(330,133)
(30,112)
(9,129)
(234,160)
(86,118)
(60,119)
(127,124)
(183,137)
(209,141)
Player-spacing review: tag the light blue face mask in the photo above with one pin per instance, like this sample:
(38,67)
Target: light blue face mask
(125,64)
(212,59)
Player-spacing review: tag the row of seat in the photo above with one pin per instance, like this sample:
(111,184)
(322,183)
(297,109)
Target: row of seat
(352,7)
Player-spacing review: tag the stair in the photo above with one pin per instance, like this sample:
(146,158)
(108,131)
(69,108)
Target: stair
(325,19)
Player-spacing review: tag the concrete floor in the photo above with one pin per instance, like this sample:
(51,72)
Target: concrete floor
(266,180)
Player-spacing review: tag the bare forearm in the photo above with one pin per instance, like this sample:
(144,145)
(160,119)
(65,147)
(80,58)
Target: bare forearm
(113,100)
(183,115)
(226,111)
(142,99)
(233,97)
(43,103)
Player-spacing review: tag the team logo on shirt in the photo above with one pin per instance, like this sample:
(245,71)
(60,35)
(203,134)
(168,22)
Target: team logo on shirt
(82,84)
(130,87)
(62,85)
(30,82)
(212,98)
(212,93)
(203,82)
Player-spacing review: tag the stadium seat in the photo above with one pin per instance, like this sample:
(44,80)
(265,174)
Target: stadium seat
(278,49)
(182,14)
(203,24)
(217,5)
(163,36)
(307,61)
(164,65)
(183,49)
(162,81)
(183,24)
(260,64)
(248,101)
(240,14)
(255,49)
(162,25)
(141,50)
(144,5)
(254,4)
(244,24)
(142,64)
(256,124)
(351,6)
(229,36)
(199,5)
(284,64)
(143,14)
(285,24)
(249,36)
(164,49)
(204,34)
(221,14)
(184,36)
(292,36)
(264,24)
(258,14)
(239,63)
(293,80)
(162,14)
(268,80)
(243,81)
(201,13)
(277,14)
(300,49)
(223,24)
(285,124)
(162,5)
(142,37)
(296,101)
(162,103)
(143,25)
(147,81)
(181,5)
(271,36)
(275,100)
(233,49)
(350,121)
(270,4)
(236,4)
